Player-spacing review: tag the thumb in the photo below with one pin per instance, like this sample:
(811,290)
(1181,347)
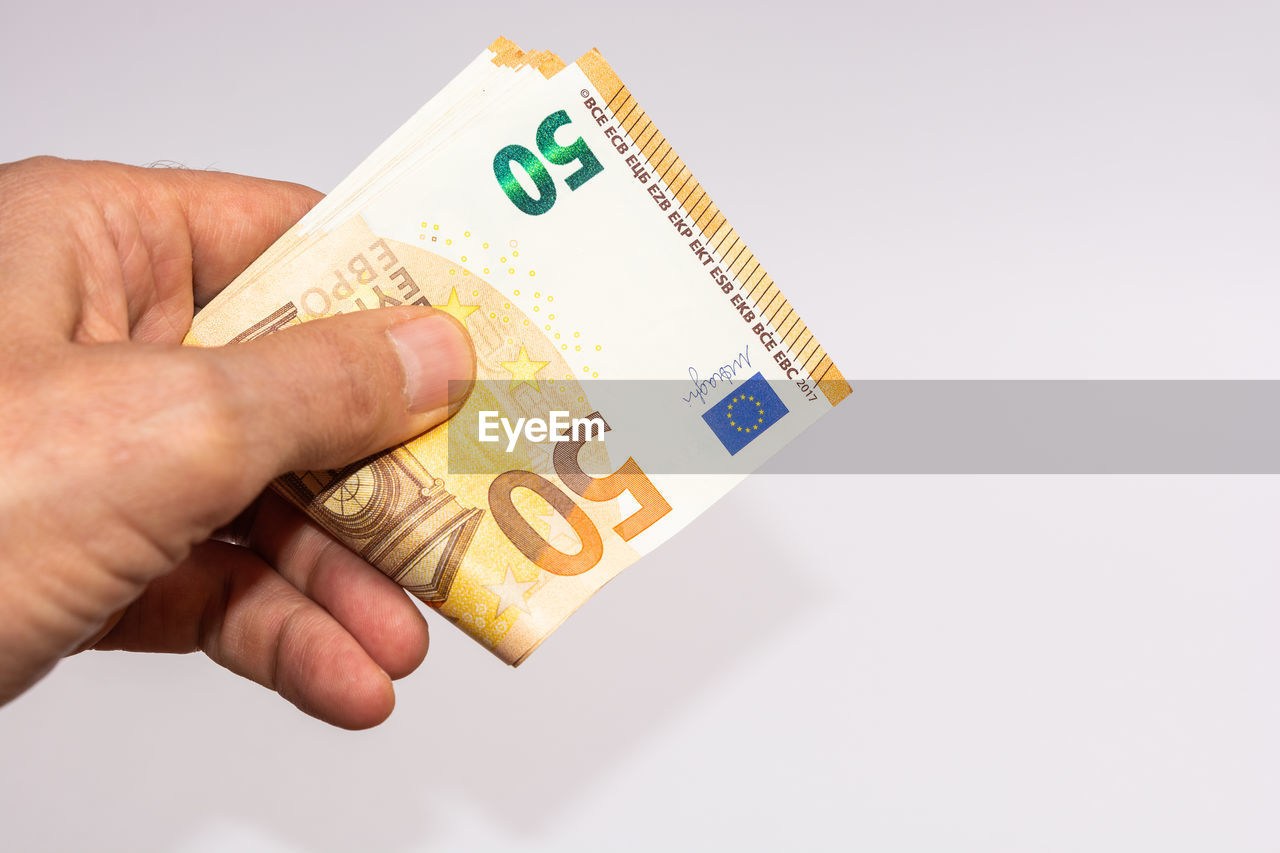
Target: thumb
(329,392)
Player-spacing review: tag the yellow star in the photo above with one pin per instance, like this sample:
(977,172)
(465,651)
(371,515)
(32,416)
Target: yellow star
(523,369)
(455,308)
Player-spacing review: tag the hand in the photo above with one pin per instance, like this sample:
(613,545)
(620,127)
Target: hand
(123,452)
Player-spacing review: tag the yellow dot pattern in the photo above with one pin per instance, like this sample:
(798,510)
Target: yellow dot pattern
(449,237)
(443,232)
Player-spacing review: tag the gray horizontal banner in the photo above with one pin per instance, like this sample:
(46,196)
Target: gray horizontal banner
(1044,427)
(904,427)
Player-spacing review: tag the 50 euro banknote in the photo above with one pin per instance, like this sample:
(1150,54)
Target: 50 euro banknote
(538,204)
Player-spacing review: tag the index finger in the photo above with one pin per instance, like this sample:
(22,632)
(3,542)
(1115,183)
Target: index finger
(231,219)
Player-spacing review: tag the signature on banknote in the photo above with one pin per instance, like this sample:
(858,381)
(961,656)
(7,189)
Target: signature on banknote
(725,373)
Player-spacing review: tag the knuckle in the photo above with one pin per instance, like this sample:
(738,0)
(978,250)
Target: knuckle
(37,188)
(35,178)
(49,175)
(358,382)
(213,430)
(42,165)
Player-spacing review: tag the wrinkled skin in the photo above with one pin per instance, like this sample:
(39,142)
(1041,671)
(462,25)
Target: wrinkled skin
(125,452)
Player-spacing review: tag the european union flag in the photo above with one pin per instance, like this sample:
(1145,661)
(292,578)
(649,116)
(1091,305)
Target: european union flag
(744,413)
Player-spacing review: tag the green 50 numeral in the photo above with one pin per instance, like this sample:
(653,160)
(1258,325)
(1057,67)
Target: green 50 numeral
(560,155)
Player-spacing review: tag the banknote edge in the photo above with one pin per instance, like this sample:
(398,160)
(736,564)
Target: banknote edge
(707,216)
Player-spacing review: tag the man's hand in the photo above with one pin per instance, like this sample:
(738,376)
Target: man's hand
(123,451)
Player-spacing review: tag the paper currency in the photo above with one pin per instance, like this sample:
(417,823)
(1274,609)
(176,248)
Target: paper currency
(538,204)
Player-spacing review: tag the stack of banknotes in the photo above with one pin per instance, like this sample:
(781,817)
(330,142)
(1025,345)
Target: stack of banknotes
(646,360)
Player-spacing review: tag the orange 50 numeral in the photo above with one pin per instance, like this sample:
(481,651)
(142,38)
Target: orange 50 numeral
(628,478)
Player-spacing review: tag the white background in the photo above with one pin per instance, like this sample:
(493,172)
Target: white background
(980,190)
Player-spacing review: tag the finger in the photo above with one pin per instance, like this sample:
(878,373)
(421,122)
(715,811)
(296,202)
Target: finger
(231,219)
(227,602)
(373,608)
(201,432)
(223,220)
(329,392)
(127,250)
